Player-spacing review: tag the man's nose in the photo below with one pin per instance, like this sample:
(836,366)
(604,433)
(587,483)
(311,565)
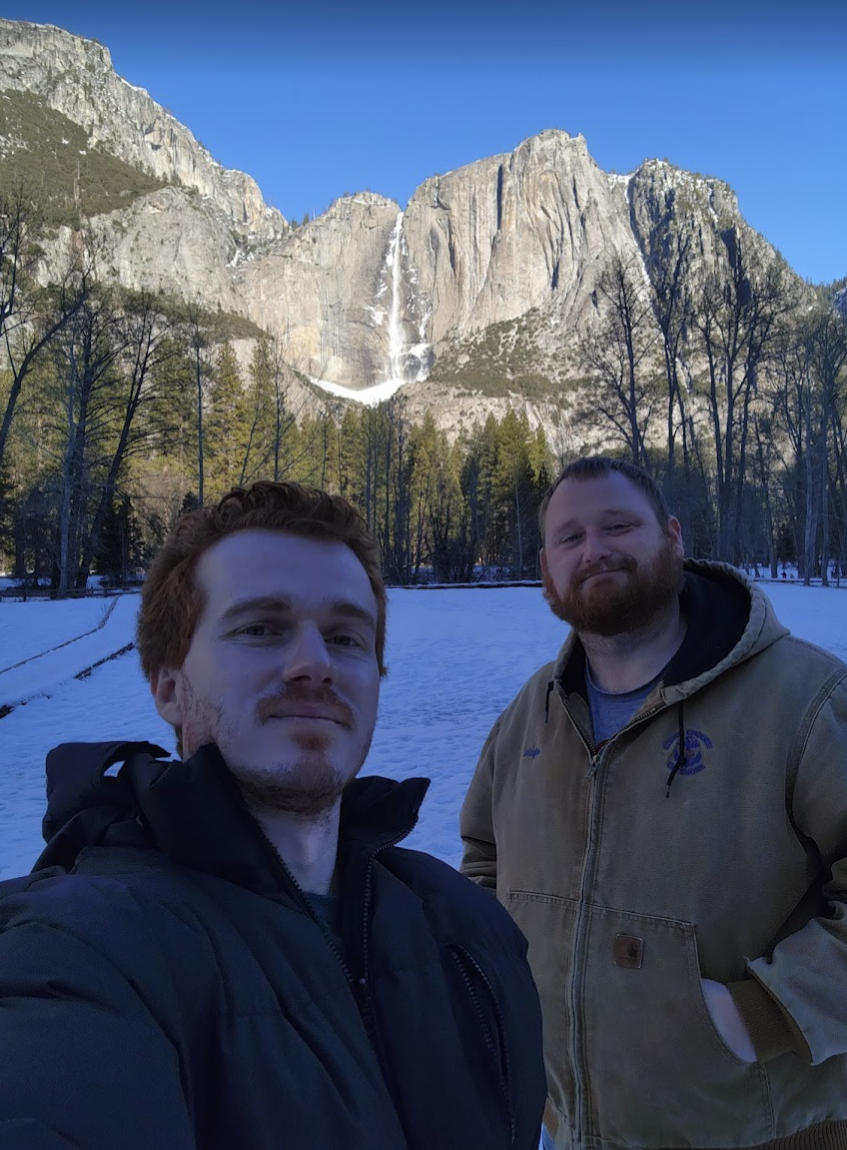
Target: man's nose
(308,657)
(596,545)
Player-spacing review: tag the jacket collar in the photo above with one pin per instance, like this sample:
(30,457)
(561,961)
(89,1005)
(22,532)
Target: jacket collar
(193,811)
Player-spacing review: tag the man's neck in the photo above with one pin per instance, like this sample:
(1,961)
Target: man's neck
(621,663)
(307,846)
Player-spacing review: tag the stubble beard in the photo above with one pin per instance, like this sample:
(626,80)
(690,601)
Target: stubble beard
(306,786)
(619,606)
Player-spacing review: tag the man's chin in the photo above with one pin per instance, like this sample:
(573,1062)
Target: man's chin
(596,609)
(306,797)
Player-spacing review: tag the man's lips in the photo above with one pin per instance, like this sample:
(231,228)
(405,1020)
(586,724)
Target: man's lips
(320,708)
(604,571)
(309,713)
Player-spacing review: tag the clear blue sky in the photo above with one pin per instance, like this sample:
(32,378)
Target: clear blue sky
(317,99)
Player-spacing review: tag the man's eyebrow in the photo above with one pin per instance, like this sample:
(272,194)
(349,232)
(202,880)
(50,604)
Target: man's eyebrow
(608,512)
(566,524)
(256,603)
(353,611)
(280,606)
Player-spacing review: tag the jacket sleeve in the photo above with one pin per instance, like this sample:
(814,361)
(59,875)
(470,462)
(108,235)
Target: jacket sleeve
(85,1063)
(479,861)
(794,999)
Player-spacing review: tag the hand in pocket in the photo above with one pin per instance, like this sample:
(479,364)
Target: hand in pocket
(727,1020)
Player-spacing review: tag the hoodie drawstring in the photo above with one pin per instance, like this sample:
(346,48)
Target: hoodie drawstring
(681,758)
(550,686)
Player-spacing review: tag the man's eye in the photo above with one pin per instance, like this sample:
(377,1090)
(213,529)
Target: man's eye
(344,640)
(257,630)
(569,540)
(618,527)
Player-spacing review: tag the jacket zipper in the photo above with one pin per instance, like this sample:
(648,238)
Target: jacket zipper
(595,758)
(504,1071)
(580,941)
(324,929)
(361,986)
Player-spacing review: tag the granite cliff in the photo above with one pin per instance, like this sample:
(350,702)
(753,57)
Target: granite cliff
(488,276)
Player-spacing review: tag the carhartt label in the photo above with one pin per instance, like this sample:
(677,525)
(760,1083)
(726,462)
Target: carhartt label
(628,951)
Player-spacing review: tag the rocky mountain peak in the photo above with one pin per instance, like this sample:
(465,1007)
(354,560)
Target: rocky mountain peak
(75,76)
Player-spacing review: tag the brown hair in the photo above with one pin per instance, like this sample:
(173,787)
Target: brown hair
(598,466)
(171,601)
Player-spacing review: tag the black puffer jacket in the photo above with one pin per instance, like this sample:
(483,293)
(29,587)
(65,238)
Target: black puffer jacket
(174,992)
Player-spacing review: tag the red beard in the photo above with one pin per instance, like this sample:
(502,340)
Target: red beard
(622,603)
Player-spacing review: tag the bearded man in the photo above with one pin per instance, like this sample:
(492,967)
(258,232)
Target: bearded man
(229,951)
(663,811)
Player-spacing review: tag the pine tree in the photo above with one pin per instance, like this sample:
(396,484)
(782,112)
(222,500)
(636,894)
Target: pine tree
(261,454)
(227,429)
(119,549)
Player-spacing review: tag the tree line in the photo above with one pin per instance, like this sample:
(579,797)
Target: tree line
(121,409)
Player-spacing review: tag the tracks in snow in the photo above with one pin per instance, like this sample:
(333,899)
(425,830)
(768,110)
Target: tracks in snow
(40,675)
(67,642)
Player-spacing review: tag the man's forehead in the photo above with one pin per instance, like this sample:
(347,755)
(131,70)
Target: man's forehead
(279,564)
(603,494)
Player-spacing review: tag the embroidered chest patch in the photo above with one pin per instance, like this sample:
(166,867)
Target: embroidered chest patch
(696,746)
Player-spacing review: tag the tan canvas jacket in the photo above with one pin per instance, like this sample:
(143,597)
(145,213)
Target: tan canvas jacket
(629,893)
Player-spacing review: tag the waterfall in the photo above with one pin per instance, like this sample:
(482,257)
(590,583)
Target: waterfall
(396,339)
(407,361)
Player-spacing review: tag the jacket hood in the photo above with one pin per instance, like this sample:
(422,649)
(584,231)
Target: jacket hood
(729,620)
(193,811)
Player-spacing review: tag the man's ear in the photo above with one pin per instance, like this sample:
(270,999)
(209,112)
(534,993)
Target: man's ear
(542,555)
(166,688)
(675,534)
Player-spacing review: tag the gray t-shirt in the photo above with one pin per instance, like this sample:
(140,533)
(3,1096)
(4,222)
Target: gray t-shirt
(610,711)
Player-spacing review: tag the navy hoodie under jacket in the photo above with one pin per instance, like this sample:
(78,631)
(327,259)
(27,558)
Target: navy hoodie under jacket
(167,987)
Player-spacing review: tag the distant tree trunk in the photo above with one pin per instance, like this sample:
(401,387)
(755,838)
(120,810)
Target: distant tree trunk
(615,356)
(736,319)
(140,342)
(48,313)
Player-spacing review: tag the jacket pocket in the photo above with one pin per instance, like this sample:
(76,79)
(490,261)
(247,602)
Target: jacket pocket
(654,1069)
(483,999)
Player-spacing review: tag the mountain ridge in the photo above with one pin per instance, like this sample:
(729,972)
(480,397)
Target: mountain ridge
(480,290)
(75,76)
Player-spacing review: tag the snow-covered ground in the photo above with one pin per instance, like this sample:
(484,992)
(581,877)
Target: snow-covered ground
(27,629)
(56,659)
(456,658)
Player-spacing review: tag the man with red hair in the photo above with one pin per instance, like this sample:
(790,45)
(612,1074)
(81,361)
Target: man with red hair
(230,951)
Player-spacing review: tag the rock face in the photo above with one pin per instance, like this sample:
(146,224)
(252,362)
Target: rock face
(76,77)
(170,241)
(326,291)
(512,245)
(495,263)
(510,233)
